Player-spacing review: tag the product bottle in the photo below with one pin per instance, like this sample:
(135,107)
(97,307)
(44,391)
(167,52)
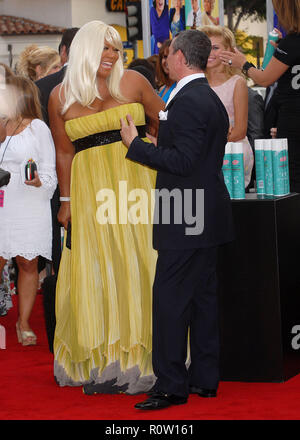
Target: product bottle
(273,36)
(287,170)
(227,169)
(279,161)
(238,174)
(259,166)
(268,167)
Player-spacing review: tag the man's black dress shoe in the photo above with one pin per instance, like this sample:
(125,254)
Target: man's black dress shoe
(203,392)
(160,400)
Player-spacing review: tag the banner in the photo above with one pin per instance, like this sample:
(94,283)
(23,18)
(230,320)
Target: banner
(168,17)
(176,16)
(201,13)
(159,23)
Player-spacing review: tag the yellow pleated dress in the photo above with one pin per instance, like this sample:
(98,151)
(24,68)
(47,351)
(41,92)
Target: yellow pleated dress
(103,330)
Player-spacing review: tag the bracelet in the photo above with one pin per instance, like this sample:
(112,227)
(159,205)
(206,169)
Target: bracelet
(64,199)
(246,67)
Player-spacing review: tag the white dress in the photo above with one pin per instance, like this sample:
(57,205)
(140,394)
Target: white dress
(25,213)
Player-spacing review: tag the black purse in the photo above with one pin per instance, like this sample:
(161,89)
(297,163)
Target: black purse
(4,177)
(30,168)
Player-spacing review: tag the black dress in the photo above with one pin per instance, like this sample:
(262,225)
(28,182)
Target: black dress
(287,100)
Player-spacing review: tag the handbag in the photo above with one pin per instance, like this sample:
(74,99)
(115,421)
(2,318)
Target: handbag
(4,177)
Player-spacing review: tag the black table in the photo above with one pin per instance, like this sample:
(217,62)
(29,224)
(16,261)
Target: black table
(259,291)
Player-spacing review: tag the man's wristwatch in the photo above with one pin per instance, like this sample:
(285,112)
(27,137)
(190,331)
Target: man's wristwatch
(246,67)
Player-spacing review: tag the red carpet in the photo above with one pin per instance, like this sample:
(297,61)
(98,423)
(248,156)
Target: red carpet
(28,391)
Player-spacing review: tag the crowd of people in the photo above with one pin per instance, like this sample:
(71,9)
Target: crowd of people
(75,128)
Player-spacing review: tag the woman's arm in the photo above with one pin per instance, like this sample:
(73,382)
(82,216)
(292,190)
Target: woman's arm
(140,90)
(240,103)
(274,70)
(45,177)
(64,154)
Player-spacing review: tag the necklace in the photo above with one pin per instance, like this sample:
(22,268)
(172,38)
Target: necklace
(10,140)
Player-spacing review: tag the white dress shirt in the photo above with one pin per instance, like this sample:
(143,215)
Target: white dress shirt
(182,83)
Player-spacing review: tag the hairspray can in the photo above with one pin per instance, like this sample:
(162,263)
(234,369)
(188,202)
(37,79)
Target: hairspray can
(279,161)
(268,167)
(238,175)
(273,36)
(259,166)
(227,169)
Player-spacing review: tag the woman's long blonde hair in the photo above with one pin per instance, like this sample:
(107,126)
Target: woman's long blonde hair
(288,12)
(228,41)
(80,82)
(34,56)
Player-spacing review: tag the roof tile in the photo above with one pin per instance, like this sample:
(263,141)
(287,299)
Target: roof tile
(10,25)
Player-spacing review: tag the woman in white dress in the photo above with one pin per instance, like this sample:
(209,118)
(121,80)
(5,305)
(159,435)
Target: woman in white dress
(25,212)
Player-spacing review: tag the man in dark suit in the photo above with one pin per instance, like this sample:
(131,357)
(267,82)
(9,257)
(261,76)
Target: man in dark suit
(188,156)
(46,85)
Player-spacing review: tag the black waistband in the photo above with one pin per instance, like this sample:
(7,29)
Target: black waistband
(100,139)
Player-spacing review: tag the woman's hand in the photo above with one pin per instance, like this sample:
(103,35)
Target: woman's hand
(273,132)
(64,214)
(34,182)
(152,139)
(234,59)
(275,43)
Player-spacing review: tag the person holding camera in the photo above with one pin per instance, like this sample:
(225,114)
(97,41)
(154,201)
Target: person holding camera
(28,157)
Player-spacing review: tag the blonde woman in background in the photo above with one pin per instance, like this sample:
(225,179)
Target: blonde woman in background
(36,62)
(231,87)
(104,289)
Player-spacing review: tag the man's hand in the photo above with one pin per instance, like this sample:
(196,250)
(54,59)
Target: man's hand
(128,131)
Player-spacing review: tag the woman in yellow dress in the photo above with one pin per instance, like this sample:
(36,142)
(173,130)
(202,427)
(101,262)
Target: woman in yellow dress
(104,288)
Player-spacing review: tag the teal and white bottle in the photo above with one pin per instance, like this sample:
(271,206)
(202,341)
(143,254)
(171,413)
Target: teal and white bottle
(287,170)
(279,162)
(273,36)
(227,169)
(259,166)
(269,191)
(238,174)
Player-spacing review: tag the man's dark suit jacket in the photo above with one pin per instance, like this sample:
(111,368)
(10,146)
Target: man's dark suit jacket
(189,155)
(46,85)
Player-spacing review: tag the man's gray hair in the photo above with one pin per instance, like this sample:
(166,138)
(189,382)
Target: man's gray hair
(195,46)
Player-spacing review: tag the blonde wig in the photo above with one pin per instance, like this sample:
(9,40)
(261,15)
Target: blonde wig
(288,12)
(228,40)
(34,56)
(80,82)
